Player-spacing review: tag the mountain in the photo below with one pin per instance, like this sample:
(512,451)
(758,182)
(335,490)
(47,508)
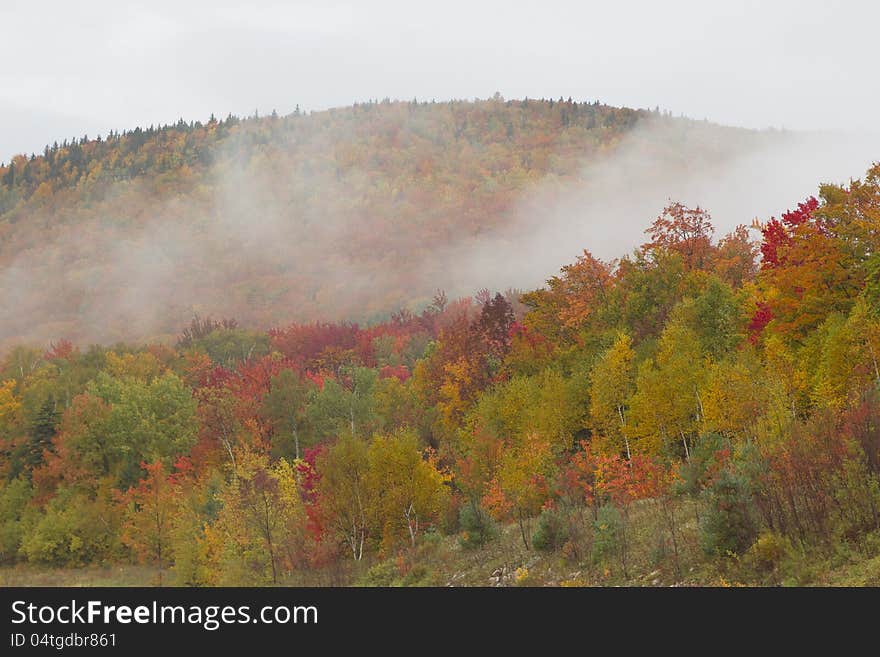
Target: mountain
(342,214)
(702,409)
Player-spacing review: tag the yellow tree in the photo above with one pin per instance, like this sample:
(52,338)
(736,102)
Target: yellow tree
(197,499)
(262,522)
(9,405)
(612,381)
(667,405)
(735,395)
(841,358)
(343,493)
(458,380)
(8,401)
(409,491)
(519,488)
(786,385)
(546,404)
(143,366)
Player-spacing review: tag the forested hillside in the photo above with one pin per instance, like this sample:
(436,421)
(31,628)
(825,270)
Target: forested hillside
(346,214)
(702,410)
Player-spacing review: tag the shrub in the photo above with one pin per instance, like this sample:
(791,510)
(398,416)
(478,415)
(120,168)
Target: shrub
(729,526)
(769,552)
(449,523)
(14,516)
(856,492)
(521,576)
(707,453)
(477,527)
(659,551)
(418,576)
(384,573)
(552,531)
(73,531)
(608,536)
(431,538)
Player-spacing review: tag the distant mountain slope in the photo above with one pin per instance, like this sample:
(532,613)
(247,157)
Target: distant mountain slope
(346,213)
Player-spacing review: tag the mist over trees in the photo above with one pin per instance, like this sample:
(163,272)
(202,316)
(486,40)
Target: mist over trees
(352,213)
(702,408)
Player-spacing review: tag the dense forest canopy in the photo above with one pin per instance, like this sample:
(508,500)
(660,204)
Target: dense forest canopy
(706,401)
(345,214)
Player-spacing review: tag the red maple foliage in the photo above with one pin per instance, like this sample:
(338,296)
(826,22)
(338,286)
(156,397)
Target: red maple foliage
(777,234)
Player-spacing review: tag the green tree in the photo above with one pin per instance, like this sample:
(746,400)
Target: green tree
(346,405)
(285,407)
(134,421)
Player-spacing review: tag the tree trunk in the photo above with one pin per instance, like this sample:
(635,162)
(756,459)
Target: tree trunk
(351,404)
(158,536)
(699,404)
(623,431)
(409,515)
(669,512)
(874,361)
(269,540)
(522,530)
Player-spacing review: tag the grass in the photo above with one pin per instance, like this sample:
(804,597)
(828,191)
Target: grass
(650,561)
(115,575)
(441,561)
(864,573)
(505,561)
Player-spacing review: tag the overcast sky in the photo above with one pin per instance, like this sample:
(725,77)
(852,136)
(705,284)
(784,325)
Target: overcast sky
(70,68)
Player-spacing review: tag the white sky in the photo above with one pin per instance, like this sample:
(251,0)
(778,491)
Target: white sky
(70,68)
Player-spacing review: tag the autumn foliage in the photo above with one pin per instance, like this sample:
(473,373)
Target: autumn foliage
(690,378)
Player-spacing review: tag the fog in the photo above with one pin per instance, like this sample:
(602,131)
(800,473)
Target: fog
(799,74)
(272,245)
(737,177)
